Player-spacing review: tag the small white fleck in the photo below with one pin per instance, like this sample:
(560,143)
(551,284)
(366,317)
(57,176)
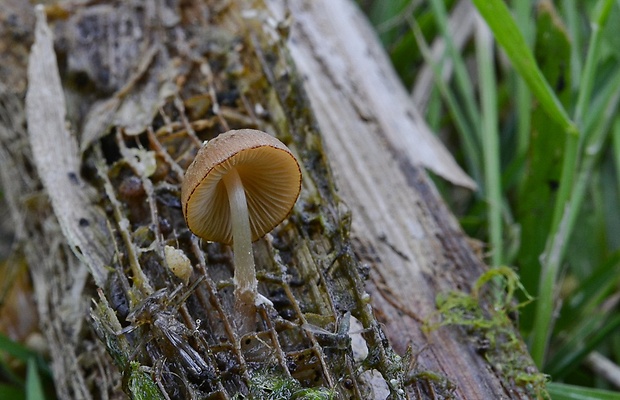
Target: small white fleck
(262,300)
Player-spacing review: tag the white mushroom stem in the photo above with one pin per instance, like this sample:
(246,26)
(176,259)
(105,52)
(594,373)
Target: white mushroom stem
(245,273)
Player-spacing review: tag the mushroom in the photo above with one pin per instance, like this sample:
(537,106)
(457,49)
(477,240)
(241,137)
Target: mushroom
(239,187)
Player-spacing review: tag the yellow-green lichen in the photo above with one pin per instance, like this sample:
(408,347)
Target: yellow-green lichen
(486,315)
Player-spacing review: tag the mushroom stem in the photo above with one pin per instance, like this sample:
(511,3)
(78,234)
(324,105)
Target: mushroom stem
(245,273)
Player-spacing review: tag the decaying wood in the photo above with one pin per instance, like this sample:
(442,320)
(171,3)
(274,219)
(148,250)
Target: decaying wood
(377,145)
(145,83)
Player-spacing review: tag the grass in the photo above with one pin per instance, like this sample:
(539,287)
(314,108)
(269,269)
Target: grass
(23,373)
(530,111)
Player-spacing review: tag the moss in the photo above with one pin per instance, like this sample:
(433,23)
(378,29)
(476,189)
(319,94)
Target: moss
(107,326)
(271,385)
(491,327)
(437,384)
(140,384)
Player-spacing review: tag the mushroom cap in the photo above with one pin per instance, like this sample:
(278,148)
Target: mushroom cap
(268,170)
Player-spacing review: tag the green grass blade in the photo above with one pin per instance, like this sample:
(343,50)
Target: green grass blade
(545,302)
(463,80)
(587,78)
(466,131)
(507,34)
(490,142)
(594,331)
(34,387)
(571,12)
(382,12)
(523,95)
(562,391)
(616,149)
(591,293)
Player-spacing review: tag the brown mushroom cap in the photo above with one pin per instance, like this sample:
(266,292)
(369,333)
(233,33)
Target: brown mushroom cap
(268,170)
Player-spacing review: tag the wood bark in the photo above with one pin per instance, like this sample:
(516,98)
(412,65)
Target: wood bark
(119,98)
